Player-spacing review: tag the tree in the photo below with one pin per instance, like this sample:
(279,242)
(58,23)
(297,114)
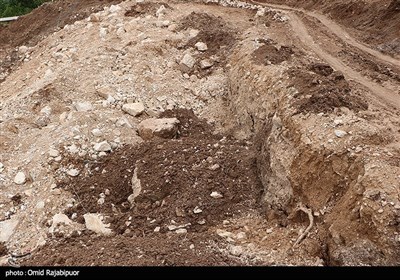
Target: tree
(10,8)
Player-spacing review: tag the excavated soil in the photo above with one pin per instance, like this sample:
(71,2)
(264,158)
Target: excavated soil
(146,250)
(177,176)
(269,53)
(321,90)
(215,33)
(144,8)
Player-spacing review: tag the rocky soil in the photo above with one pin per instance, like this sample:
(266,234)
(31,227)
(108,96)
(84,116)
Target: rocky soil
(197,133)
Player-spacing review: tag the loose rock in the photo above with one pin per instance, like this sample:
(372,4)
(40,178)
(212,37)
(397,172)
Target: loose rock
(53,153)
(94,223)
(340,133)
(102,147)
(133,109)
(216,195)
(20,178)
(83,106)
(188,61)
(73,172)
(164,128)
(200,46)
(206,63)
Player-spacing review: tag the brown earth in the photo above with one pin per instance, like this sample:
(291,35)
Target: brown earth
(268,53)
(177,176)
(145,8)
(147,250)
(321,90)
(215,33)
(375,22)
(3,249)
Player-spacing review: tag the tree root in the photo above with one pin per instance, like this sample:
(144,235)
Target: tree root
(308,211)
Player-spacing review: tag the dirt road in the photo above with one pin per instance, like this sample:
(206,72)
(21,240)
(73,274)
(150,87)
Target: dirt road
(385,95)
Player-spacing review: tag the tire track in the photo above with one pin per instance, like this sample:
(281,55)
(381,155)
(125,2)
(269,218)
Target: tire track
(386,96)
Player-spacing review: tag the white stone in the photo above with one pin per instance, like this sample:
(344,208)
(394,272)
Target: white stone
(73,149)
(181,231)
(161,11)
(7,229)
(164,128)
(205,64)
(20,178)
(236,250)
(172,227)
(197,210)
(23,49)
(83,106)
(136,185)
(214,167)
(53,153)
(97,132)
(133,109)
(40,204)
(157,229)
(102,147)
(337,122)
(59,219)
(200,46)
(193,33)
(340,133)
(216,195)
(224,233)
(188,61)
(94,223)
(46,110)
(163,24)
(101,201)
(114,9)
(73,172)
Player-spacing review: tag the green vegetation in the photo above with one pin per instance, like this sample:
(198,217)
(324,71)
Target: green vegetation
(9,8)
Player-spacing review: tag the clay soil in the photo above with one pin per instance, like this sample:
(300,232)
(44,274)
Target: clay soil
(177,176)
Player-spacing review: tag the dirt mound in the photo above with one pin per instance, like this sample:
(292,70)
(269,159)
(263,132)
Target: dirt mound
(148,250)
(145,8)
(33,27)
(215,33)
(268,53)
(177,178)
(322,89)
